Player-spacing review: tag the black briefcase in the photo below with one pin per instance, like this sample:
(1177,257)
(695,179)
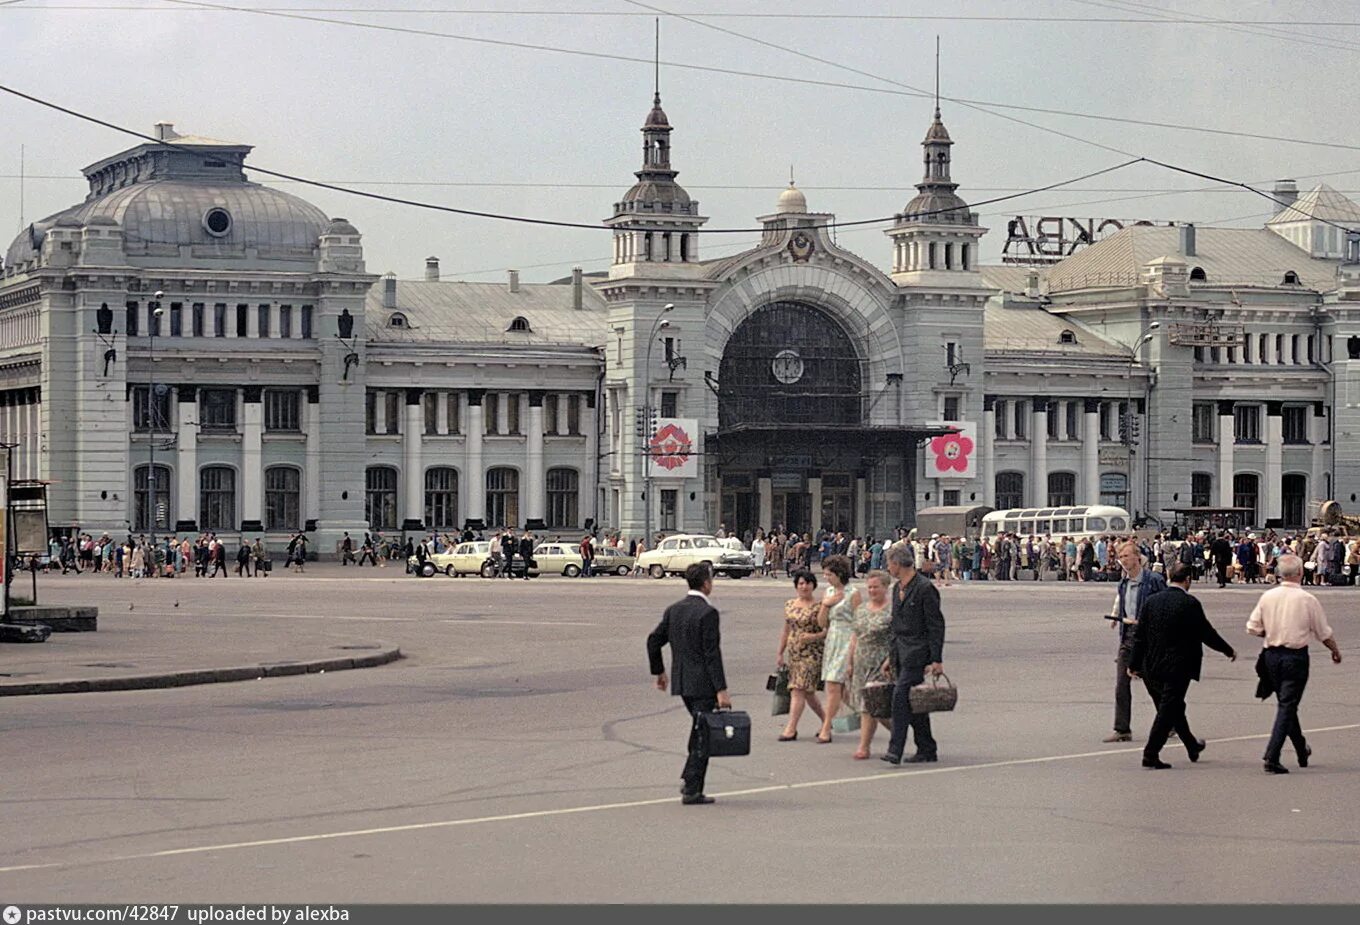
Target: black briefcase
(728,731)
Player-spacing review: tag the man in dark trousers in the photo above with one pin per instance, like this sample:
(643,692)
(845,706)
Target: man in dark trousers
(1137,585)
(1222,552)
(1167,654)
(690,627)
(508,547)
(917,647)
(526,551)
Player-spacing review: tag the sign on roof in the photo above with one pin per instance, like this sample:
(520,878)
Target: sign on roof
(1040,241)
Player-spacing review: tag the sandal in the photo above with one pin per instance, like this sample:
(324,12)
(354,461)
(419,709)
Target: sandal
(861,756)
(792,738)
(821,741)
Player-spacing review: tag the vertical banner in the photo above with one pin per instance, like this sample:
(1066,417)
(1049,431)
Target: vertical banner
(674,448)
(4,533)
(951,456)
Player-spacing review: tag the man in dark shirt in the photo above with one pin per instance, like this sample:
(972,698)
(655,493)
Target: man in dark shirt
(917,647)
(1222,552)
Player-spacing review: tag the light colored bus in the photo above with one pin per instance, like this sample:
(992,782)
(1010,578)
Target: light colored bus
(1092,520)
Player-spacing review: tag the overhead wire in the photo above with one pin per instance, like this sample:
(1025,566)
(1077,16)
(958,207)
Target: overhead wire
(1269,32)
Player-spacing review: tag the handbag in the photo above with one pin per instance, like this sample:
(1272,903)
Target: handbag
(847,721)
(877,698)
(930,696)
(778,682)
(728,732)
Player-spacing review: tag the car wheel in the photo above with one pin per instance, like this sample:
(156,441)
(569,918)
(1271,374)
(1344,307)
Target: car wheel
(488,571)
(572,571)
(621,570)
(427,570)
(737,574)
(657,571)
(448,570)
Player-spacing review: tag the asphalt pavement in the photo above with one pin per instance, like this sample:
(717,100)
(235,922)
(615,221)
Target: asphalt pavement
(518,753)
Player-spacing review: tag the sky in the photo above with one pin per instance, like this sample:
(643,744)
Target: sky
(495,125)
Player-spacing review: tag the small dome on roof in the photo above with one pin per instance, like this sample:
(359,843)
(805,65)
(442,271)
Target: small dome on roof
(341,226)
(792,200)
(657,117)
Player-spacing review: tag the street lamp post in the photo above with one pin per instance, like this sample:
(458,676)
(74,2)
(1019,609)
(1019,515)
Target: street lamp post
(1146,338)
(152,481)
(657,325)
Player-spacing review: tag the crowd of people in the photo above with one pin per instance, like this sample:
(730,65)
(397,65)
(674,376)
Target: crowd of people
(204,556)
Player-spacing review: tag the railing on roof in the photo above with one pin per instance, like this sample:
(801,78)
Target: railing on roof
(1093,281)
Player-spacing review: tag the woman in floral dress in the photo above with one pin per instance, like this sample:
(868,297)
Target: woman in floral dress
(869,645)
(835,616)
(801,643)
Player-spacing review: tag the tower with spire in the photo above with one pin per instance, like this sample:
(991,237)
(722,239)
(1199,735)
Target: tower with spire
(656,221)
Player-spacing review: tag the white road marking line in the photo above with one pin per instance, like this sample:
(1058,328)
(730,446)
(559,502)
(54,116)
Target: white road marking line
(602,807)
(476,622)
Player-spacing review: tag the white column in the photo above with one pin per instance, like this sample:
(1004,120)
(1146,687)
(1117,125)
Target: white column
(988,437)
(1226,435)
(252,461)
(186,458)
(1317,430)
(1038,453)
(1272,490)
(765,489)
(862,507)
(274,323)
(589,487)
(1090,452)
(473,477)
(563,410)
(535,490)
(379,412)
(815,505)
(252,321)
(441,412)
(414,475)
(311,479)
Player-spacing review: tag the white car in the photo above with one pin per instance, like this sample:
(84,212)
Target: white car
(679,552)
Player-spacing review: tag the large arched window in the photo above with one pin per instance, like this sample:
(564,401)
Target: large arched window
(1062,489)
(1246,492)
(380,498)
(282,498)
(789,363)
(563,498)
(502,497)
(151,499)
(441,498)
(1010,490)
(217,498)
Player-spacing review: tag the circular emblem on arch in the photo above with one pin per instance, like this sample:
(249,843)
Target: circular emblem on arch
(787,366)
(801,246)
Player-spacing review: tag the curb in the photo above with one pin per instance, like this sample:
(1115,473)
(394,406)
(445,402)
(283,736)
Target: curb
(200,676)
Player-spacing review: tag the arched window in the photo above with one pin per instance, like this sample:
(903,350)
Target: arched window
(151,499)
(1067,337)
(1062,489)
(1197,275)
(217,498)
(1291,278)
(441,498)
(1010,490)
(502,497)
(563,498)
(1246,491)
(520,324)
(380,498)
(282,499)
(396,320)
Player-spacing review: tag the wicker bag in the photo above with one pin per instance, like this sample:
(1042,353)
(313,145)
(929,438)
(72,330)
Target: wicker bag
(930,696)
(877,699)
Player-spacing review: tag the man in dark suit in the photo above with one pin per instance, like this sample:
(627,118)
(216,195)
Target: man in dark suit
(690,627)
(1167,654)
(526,551)
(1222,552)
(917,647)
(508,546)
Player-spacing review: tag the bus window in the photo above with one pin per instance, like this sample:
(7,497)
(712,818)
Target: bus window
(989,528)
(1118,524)
(1095,525)
(1012,526)
(1078,510)
(1026,527)
(1044,526)
(1060,526)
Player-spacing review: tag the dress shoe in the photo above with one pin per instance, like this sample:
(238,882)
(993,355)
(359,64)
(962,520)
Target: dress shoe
(695,799)
(891,759)
(1118,737)
(1155,764)
(1196,749)
(920,758)
(1274,767)
(1305,755)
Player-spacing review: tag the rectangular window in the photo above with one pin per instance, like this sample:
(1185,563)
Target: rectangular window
(574,414)
(242,320)
(512,413)
(392,400)
(999,412)
(550,414)
(1247,423)
(668,403)
(149,416)
(282,410)
(1105,409)
(264,320)
(1072,420)
(1053,420)
(1021,414)
(285,321)
(951,408)
(455,416)
(1201,487)
(951,353)
(370,412)
(951,497)
(153,321)
(306,322)
(1295,424)
(670,505)
(198,319)
(1202,427)
(431,401)
(176,319)
(132,319)
(219,320)
(490,411)
(217,410)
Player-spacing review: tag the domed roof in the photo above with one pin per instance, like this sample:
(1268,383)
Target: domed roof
(657,117)
(937,132)
(937,205)
(342,226)
(792,200)
(168,213)
(663,192)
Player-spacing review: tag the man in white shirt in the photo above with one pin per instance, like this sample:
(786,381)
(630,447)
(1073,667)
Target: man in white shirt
(1288,617)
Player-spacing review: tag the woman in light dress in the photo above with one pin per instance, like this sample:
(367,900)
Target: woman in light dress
(138,561)
(758,552)
(835,617)
(870,641)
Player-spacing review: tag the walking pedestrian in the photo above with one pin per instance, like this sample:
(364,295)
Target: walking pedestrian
(1137,585)
(917,629)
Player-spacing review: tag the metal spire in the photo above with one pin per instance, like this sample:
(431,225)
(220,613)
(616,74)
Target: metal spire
(937,77)
(656,63)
